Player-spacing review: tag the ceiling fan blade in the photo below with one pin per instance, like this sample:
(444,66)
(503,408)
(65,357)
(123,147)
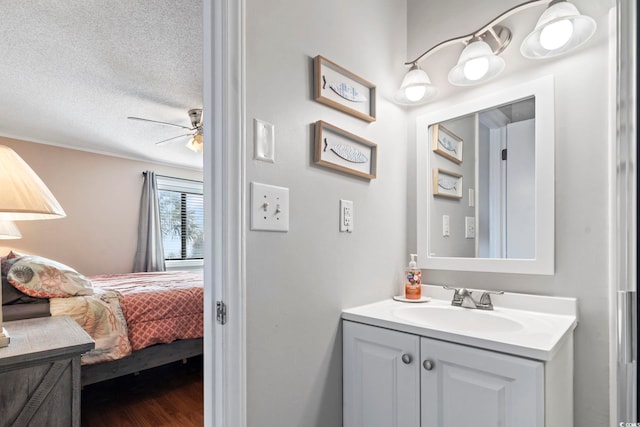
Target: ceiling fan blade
(175,137)
(162,123)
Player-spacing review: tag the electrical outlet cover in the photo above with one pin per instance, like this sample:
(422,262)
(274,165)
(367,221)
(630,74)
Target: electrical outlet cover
(469,227)
(346,216)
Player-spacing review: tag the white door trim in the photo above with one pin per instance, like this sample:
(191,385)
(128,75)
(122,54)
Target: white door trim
(224,193)
(624,218)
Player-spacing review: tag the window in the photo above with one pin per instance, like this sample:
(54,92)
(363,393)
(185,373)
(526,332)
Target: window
(181,220)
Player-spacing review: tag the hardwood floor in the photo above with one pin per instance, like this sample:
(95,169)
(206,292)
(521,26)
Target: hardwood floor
(170,395)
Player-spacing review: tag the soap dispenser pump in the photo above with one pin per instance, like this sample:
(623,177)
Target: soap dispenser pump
(413,280)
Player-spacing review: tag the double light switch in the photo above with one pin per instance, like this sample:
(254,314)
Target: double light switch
(269,207)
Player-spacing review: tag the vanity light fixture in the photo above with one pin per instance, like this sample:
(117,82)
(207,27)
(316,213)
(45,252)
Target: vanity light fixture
(416,87)
(560,29)
(477,64)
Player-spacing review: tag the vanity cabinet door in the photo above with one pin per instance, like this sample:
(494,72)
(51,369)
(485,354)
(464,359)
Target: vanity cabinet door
(381,374)
(465,386)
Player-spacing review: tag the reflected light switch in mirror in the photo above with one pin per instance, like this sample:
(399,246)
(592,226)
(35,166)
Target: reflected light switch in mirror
(445,226)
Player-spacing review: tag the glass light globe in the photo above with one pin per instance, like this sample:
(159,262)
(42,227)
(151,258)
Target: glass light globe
(416,87)
(475,69)
(415,93)
(556,35)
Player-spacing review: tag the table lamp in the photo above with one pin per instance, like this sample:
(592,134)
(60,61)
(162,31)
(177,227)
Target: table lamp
(23,196)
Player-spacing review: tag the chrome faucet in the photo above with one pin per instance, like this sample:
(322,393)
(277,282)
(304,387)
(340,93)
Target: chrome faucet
(462,297)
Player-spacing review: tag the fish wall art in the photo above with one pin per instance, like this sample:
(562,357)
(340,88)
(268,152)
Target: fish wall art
(346,91)
(343,90)
(346,152)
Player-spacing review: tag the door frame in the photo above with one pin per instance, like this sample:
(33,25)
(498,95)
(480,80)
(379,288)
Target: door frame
(623,231)
(224,194)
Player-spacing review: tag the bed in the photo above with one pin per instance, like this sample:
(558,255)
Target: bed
(138,320)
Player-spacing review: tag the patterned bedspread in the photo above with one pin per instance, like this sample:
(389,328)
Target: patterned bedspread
(153,308)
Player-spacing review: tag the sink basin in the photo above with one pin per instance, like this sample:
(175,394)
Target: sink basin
(532,326)
(457,318)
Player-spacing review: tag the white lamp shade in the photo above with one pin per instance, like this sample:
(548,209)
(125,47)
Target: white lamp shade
(8,230)
(416,87)
(23,195)
(560,29)
(196,143)
(477,64)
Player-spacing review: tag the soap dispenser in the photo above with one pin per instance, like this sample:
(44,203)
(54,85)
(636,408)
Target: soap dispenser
(412,284)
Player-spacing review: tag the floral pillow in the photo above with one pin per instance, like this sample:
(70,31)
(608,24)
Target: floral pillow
(5,263)
(43,278)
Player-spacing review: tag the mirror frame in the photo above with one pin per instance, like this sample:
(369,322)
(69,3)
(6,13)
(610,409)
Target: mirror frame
(543,263)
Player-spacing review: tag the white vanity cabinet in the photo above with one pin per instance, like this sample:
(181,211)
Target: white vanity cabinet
(381,377)
(466,386)
(400,379)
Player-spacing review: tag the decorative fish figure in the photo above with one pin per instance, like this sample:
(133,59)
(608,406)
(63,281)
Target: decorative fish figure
(447,184)
(446,144)
(346,91)
(346,152)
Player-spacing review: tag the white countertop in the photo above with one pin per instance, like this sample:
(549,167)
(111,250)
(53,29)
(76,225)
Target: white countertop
(536,325)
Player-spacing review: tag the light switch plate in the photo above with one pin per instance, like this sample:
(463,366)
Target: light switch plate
(269,207)
(346,216)
(263,141)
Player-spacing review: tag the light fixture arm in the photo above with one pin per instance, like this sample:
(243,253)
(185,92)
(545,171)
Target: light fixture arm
(490,27)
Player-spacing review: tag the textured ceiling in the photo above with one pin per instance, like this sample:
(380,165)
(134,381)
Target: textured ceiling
(72,71)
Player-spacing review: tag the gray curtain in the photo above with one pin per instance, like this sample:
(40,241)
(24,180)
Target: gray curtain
(150,253)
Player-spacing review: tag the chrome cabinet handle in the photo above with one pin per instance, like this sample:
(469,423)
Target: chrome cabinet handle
(428,364)
(406,358)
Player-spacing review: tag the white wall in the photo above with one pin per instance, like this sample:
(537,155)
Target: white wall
(101,197)
(298,282)
(582,192)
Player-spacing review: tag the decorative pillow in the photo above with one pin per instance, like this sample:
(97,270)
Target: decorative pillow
(5,265)
(43,278)
(11,295)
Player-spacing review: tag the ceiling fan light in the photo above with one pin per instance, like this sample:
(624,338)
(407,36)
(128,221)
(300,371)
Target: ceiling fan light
(477,64)
(560,29)
(196,143)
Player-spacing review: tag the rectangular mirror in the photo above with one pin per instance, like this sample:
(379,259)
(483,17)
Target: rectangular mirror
(486,183)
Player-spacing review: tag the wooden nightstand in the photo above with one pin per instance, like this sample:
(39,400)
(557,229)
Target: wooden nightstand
(40,372)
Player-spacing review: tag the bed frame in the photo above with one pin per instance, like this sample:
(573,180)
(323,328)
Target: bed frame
(139,360)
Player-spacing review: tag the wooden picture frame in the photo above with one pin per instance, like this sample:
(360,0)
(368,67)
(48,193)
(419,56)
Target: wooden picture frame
(447,144)
(339,88)
(341,150)
(447,184)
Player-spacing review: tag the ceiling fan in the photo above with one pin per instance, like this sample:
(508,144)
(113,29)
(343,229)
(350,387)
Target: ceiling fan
(196,141)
